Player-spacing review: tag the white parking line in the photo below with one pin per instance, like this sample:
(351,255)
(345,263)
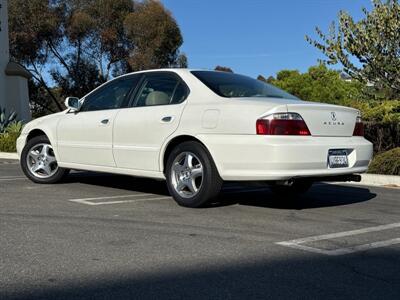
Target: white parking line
(10,178)
(101,198)
(298,243)
(138,197)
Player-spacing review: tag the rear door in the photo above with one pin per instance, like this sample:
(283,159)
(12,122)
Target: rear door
(140,131)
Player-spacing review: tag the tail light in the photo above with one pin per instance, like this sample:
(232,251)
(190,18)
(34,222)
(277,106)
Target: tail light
(282,124)
(359,128)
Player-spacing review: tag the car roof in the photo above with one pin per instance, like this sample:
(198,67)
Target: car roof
(174,70)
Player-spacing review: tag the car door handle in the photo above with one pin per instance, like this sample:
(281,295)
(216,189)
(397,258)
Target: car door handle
(166,119)
(105,121)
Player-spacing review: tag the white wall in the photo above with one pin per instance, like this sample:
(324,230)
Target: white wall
(14,95)
(4,50)
(17,91)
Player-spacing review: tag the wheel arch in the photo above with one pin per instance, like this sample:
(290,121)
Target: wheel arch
(172,143)
(40,131)
(34,133)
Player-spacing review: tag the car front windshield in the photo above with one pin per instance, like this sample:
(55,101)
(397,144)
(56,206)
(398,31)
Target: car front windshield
(231,85)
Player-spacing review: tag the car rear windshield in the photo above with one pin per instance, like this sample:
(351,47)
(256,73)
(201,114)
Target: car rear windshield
(231,85)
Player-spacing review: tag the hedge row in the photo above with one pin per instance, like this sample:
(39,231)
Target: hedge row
(387,163)
(384,136)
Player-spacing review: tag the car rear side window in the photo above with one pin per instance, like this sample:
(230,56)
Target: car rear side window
(113,95)
(180,93)
(230,85)
(161,89)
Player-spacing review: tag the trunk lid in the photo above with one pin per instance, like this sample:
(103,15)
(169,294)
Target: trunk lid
(326,119)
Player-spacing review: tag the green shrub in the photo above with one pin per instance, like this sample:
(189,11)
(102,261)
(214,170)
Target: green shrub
(8,142)
(8,139)
(382,122)
(386,111)
(6,119)
(387,163)
(14,128)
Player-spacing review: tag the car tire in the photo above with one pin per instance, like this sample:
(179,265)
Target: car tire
(38,162)
(183,179)
(298,187)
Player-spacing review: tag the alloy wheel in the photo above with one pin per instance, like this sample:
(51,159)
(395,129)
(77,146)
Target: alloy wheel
(187,174)
(41,161)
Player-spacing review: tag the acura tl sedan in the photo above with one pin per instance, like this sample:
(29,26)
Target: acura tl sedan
(197,129)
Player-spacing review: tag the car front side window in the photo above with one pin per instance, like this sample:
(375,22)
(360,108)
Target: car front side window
(111,96)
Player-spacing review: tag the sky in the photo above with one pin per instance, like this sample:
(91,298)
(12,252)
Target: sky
(256,37)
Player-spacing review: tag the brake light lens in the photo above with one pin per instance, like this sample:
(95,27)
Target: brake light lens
(359,128)
(282,124)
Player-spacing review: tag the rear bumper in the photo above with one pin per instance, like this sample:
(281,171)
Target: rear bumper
(256,157)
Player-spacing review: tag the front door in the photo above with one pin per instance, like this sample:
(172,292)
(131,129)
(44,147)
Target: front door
(140,131)
(85,137)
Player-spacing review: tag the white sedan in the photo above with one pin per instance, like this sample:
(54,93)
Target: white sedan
(197,129)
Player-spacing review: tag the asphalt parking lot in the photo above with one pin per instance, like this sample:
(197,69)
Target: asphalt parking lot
(99,236)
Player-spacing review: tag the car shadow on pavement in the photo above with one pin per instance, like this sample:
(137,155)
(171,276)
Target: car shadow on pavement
(370,275)
(320,195)
(121,182)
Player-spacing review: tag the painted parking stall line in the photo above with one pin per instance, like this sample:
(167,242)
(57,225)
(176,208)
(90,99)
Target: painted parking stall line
(9,162)
(93,201)
(300,243)
(11,178)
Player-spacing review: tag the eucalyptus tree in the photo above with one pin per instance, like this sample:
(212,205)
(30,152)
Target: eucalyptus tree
(72,46)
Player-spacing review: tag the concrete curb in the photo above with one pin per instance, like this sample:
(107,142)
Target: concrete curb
(366,179)
(380,180)
(6,155)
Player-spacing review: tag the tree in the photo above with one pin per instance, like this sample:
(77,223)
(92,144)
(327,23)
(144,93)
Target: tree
(368,50)
(318,84)
(266,80)
(156,37)
(262,78)
(181,61)
(72,46)
(41,103)
(33,24)
(223,69)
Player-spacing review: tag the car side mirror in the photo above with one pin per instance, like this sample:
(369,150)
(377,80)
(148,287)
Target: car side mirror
(73,103)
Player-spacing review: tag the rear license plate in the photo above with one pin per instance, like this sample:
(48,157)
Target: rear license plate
(338,159)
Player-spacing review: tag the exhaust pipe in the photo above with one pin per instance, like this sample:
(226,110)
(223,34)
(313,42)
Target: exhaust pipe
(288,182)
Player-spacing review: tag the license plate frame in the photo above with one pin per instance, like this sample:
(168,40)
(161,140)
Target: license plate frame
(338,158)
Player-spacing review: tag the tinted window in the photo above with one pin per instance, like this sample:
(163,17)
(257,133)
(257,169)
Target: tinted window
(161,89)
(111,96)
(180,93)
(233,85)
